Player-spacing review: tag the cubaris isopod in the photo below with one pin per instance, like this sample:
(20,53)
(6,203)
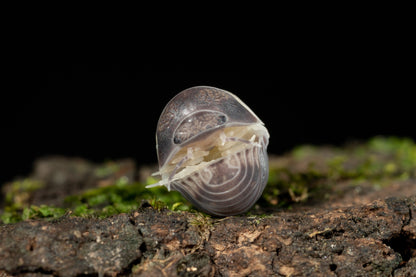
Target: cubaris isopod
(212,149)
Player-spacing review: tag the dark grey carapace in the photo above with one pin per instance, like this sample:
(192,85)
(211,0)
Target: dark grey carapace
(212,149)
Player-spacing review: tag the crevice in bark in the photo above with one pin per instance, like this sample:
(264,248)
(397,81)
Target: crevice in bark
(403,244)
(40,270)
(128,269)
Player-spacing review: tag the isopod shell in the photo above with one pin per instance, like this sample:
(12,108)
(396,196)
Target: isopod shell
(212,149)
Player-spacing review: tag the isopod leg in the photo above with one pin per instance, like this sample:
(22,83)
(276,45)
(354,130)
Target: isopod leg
(224,139)
(189,155)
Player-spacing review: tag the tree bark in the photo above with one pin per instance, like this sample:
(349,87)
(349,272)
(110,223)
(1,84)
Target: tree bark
(377,239)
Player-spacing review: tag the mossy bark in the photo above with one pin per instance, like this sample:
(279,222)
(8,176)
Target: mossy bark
(377,239)
(326,212)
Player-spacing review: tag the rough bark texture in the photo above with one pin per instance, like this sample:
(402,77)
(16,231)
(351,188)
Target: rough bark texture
(345,229)
(378,239)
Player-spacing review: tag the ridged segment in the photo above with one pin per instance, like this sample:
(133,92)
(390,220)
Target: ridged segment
(229,186)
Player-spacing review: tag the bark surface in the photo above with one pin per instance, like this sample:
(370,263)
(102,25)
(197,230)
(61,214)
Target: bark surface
(377,239)
(346,229)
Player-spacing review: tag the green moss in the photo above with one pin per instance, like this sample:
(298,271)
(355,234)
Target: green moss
(123,197)
(42,211)
(17,199)
(32,212)
(309,172)
(19,192)
(387,158)
(8,217)
(286,186)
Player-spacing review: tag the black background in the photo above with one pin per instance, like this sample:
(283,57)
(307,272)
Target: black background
(104,112)
(314,86)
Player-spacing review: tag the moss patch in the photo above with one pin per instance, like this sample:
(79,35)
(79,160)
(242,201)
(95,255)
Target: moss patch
(123,197)
(17,199)
(308,173)
(120,197)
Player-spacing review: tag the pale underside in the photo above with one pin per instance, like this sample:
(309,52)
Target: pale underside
(201,153)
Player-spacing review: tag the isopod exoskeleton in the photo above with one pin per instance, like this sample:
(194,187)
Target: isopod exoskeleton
(212,149)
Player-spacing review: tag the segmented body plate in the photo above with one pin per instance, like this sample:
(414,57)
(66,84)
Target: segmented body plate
(229,186)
